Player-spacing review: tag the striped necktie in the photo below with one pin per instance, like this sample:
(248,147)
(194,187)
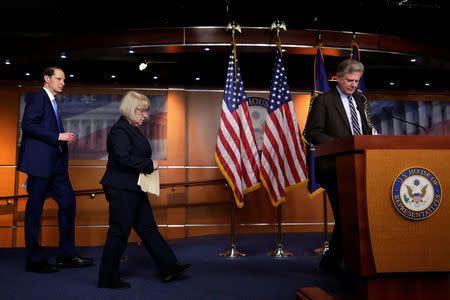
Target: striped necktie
(355,123)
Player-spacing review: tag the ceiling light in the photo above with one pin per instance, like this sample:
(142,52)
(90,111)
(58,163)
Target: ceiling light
(143,65)
(27,74)
(197,78)
(206,49)
(427,84)
(63,55)
(113,76)
(391,83)
(7,62)
(155,77)
(412,60)
(131,51)
(71,75)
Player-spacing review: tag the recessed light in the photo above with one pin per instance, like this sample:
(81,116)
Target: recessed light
(197,78)
(427,84)
(27,74)
(412,60)
(113,76)
(207,49)
(131,51)
(391,83)
(7,62)
(63,55)
(71,75)
(155,77)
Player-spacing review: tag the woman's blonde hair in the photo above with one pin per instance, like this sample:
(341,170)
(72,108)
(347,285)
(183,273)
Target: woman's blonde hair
(130,102)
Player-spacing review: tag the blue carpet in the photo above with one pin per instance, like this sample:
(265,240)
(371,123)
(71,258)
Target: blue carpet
(256,276)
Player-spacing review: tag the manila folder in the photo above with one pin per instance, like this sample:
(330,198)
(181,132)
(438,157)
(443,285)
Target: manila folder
(149,182)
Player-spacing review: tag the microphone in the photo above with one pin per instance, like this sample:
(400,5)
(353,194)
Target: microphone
(385,109)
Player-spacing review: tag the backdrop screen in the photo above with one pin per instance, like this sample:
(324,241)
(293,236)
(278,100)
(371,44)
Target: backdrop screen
(434,116)
(90,117)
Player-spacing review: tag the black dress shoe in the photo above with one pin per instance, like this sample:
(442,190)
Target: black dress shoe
(73,261)
(120,285)
(174,272)
(41,266)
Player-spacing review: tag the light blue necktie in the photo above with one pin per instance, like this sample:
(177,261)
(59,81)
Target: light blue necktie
(55,108)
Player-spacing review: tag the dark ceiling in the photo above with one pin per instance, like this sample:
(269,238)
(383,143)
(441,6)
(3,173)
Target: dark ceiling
(423,20)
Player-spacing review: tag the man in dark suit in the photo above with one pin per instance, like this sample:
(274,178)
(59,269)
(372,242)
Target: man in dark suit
(43,156)
(335,114)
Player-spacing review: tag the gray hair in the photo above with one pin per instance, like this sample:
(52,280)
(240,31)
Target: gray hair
(349,66)
(130,102)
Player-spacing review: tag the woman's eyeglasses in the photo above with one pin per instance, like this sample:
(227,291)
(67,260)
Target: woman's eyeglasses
(142,111)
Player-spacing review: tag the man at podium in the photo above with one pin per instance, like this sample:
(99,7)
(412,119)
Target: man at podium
(336,114)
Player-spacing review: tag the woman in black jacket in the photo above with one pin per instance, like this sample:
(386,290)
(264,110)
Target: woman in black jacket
(129,154)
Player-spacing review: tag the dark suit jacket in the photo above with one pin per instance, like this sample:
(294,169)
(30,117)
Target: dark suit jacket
(40,146)
(327,121)
(129,154)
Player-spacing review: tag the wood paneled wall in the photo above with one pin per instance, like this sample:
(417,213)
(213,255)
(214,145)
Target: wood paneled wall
(192,126)
(193,121)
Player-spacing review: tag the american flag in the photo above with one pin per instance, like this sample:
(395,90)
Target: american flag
(283,161)
(236,150)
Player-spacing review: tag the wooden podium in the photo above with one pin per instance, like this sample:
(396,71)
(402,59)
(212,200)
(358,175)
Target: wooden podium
(377,239)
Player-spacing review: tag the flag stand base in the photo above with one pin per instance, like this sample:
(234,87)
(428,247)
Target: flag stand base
(279,252)
(233,252)
(324,249)
(319,251)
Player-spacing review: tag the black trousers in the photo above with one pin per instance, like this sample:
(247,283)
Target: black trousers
(128,209)
(327,178)
(336,249)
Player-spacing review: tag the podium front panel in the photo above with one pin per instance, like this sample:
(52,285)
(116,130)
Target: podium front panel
(401,244)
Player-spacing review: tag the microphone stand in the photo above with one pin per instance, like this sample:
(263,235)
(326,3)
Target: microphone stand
(394,117)
(420,126)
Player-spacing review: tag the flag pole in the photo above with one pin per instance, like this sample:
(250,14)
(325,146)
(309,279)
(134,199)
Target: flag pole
(279,251)
(233,252)
(326,245)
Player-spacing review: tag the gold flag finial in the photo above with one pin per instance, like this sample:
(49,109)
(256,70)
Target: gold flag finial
(233,26)
(278,25)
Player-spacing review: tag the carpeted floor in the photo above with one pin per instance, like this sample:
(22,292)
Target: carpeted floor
(256,276)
